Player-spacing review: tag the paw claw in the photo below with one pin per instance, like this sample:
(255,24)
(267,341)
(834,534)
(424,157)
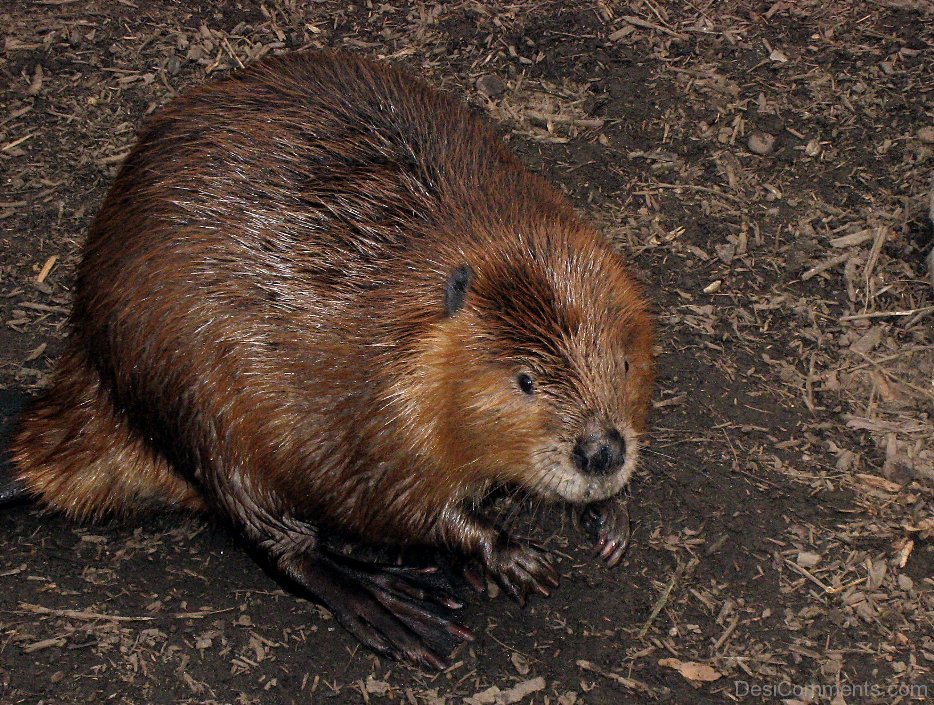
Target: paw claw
(607,523)
(522,569)
(617,556)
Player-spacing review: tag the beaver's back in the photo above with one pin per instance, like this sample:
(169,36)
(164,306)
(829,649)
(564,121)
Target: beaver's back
(310,171)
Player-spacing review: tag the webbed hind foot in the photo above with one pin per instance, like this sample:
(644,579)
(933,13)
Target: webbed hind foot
(402,612)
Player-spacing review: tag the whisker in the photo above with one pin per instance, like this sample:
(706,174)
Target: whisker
(652,451)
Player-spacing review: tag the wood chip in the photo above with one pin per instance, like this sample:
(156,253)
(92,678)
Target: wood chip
(693,671)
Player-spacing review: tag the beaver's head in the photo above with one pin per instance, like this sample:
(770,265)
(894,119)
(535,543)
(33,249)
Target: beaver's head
(543,369)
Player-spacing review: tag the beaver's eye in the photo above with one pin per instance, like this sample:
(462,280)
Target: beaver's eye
(525,383)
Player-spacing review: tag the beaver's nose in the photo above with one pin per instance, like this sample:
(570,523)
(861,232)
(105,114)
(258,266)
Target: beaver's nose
(599,453)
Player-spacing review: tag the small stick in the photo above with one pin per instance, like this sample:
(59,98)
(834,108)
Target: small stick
(853,239)
(200,615)
(81,614)
(17,142)
(645,24)
(807,574)
(663,598)
(824,266)
(726,633)
(873,260)
(44,644)
(232,53)
(630,683)
(93,616)
(883,314)
(809,385)
(702,189)
(563,119)
(46,268)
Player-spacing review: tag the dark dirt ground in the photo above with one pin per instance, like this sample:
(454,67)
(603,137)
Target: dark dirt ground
(767,164)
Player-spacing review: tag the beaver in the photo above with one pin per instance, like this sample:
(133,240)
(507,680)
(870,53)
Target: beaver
(323,299)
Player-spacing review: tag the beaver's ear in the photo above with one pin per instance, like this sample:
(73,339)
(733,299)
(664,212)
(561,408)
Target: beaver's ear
(455,291)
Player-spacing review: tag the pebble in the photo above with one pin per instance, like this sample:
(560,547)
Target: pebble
(173,65)
(491,85)
(868,341)
(761,142)
(926,134)
(807,559)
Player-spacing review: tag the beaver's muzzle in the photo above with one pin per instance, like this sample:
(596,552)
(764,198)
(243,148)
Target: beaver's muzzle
(601,453)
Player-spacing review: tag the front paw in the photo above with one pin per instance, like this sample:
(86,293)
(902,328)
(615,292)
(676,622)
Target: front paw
(521,568)
(608,525)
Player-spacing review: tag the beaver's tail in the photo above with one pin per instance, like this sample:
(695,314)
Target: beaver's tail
(76,452)
(12,490)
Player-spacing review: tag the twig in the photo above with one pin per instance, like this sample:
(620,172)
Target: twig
(16,142)
(883,314)
(666,594)
(852,239)
(630,683)
(825,265)
(563,119)
(881,360)
(692,187)
(926,394)
(872,261)
(81,614)
(232,53)
(809,385)
(645,24)
(46,268)
(726,633)
(95,616)
(807,574)
(44,644)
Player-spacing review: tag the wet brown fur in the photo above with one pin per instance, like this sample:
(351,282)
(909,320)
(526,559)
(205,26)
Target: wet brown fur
(259,324)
